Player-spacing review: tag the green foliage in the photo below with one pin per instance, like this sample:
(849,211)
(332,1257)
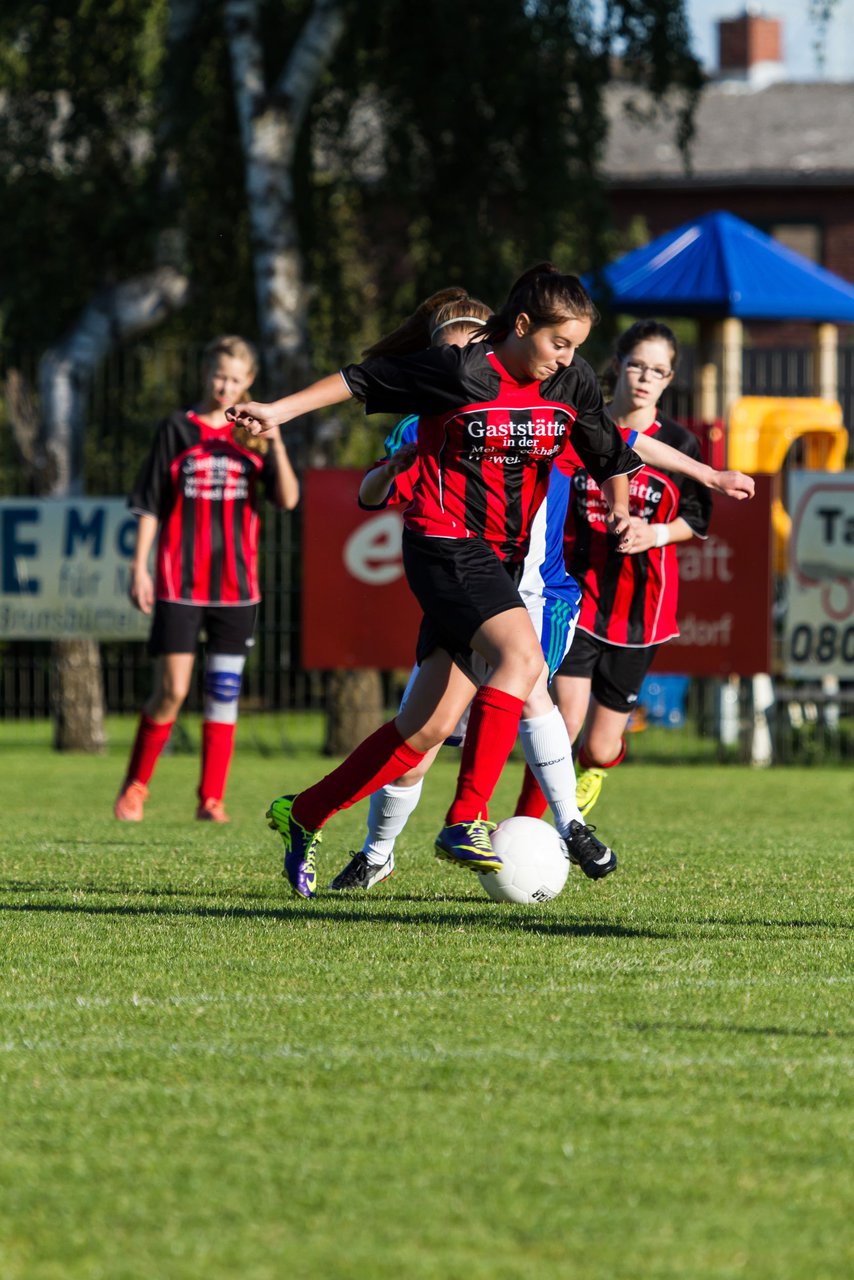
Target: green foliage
(487,124)
(77,195)
(647,1077)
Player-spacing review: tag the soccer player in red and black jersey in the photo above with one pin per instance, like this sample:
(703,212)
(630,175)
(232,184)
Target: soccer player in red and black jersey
(628,605)
(198,495)
(493,416)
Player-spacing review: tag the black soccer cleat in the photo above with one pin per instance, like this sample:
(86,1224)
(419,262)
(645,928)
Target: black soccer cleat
(595,858)
(361,874)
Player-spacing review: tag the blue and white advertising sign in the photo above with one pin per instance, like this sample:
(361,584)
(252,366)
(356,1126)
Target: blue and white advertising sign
(65,568)
(819,631)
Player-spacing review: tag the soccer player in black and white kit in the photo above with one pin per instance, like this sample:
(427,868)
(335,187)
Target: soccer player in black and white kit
(493,415)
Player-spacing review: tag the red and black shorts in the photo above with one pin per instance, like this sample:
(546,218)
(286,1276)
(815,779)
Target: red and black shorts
(616,673)
(460,583)
(175,627)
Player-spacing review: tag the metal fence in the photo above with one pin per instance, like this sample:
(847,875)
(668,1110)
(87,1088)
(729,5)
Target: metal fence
(135,387)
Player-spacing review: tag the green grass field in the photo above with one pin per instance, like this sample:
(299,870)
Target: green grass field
(649,1077)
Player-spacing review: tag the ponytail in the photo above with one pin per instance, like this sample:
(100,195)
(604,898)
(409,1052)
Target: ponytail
(415,332)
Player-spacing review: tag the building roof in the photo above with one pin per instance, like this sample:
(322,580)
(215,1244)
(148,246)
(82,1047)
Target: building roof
(783,133)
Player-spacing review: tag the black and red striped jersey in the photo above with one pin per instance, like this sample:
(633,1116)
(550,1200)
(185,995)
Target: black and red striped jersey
(631,600)
(486,441)
(205,489)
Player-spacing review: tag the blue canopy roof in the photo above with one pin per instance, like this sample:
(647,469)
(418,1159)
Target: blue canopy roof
(719,265)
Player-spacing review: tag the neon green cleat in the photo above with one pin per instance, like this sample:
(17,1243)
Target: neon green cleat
(468,845)
(587,788)
(300,847)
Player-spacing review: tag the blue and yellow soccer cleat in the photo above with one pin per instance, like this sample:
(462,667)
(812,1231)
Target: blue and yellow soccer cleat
(300,846)
(588,787)
(468,845)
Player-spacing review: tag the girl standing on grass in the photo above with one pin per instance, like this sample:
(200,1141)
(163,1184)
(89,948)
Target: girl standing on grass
(629,594)
(493,416)
(198,496)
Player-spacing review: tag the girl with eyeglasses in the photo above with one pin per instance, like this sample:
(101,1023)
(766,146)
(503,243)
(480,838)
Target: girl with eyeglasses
(629,593)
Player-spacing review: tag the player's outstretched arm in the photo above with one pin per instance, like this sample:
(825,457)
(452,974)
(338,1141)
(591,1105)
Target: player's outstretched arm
(264,419)
(376,485)
(735,484)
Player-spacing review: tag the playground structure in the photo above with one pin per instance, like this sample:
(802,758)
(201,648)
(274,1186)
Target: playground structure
(767,434)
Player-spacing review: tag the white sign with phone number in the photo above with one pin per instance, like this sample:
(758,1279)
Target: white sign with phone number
(65,568)
(819,628)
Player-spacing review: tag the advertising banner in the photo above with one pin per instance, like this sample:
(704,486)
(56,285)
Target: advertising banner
(65,567)
(359,612)
(725,593)
(357,609)
(819,619)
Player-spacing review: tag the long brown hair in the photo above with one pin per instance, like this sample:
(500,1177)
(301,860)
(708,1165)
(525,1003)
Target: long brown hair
(434,315)
(547,296)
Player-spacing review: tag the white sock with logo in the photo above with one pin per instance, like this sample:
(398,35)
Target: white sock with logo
(548,751)
(387,816)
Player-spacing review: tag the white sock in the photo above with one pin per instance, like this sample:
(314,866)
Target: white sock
(548,750)
(387,816)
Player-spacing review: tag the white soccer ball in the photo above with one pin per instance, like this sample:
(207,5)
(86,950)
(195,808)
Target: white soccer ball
(535,864)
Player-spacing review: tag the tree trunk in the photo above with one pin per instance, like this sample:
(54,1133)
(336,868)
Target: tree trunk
(78,722)
(354,708)
(65,372)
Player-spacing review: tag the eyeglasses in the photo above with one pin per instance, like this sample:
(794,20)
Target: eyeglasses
(655,372)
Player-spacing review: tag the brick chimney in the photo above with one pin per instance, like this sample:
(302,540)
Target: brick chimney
(750,48)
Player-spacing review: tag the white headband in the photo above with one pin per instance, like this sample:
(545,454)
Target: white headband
(457,320)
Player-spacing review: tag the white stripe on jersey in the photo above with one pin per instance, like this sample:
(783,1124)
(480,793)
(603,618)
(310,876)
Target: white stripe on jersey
(544,569)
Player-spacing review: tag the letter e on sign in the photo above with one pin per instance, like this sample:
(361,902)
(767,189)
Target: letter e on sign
(372,552)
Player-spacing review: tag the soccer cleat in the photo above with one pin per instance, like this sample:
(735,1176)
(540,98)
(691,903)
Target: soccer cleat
(361,874)
(468,845)
(211,810)
(595,858)
(130,801)
(587,788)
(300,847)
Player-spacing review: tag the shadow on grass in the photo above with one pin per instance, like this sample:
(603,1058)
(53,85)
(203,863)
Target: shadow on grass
(727,1029)
(740,922)
(481,913)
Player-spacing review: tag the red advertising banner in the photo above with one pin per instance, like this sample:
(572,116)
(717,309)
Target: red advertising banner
(359,612)
(725,593)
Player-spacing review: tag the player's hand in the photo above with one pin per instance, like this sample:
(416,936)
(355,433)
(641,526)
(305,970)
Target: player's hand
(141,589)
(257,418)
(640,536)
(402,460)
(618,522)
(735,484)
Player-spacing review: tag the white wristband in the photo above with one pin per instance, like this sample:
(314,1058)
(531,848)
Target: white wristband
(662,534)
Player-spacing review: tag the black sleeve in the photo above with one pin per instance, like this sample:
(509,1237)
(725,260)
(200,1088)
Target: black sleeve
(695,500)
(151,488)
(426,383)
(594,435)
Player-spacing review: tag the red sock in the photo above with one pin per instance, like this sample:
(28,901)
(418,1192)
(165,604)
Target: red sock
(531,803)
(493,726)
(381,758)
(217,746)
(586,761)
(150,740)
